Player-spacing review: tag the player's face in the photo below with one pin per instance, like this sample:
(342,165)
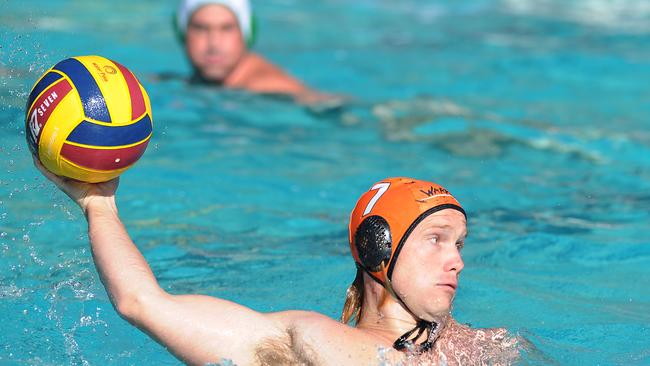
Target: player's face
(214,42)
(427,269)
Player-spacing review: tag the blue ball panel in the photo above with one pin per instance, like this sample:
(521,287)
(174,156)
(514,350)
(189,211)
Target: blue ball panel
(91,97)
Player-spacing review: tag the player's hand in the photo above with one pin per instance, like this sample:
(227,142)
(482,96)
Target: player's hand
(84,194)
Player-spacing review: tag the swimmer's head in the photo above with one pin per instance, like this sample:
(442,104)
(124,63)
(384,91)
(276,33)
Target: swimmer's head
(240,8)
(406,235)
(385,216)
(215,34)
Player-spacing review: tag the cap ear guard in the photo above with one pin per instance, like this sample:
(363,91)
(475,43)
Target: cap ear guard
(374,243)
(250,40)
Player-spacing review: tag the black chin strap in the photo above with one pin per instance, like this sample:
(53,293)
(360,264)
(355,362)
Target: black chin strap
(401,342)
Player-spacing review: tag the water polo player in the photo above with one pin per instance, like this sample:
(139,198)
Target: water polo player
(405,237)
(216,35)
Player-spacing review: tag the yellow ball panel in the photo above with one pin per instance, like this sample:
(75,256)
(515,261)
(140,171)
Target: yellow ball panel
(67,115)
(112,86)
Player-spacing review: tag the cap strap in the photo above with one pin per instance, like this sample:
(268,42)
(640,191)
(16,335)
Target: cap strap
(402,342)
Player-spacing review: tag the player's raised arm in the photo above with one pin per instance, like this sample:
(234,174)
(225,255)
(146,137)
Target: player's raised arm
(197,329)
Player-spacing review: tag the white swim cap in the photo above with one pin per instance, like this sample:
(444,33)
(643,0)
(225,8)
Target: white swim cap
(241,9)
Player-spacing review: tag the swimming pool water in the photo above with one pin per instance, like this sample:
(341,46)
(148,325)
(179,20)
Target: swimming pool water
(534,114)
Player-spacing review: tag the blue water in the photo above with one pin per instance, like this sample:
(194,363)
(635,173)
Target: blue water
(533,113)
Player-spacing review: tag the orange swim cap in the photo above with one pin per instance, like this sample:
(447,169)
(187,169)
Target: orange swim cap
(385,216)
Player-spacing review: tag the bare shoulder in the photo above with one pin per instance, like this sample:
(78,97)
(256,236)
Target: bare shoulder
(261,65)
(264,77)
(312,338)
(315,326)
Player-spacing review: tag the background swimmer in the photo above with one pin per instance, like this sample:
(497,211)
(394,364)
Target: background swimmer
(391,303)
(216,35)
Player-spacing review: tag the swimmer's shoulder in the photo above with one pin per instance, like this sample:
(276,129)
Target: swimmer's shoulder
(323,340)
(260,75)
(260,66)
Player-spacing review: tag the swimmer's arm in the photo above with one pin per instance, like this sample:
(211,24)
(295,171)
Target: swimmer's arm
(196,329)
(275,81)
(122,269)
(125,273)
(202,330)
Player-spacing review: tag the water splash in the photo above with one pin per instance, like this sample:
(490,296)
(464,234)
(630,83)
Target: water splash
(12,290)
(81,285)
(462,345)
